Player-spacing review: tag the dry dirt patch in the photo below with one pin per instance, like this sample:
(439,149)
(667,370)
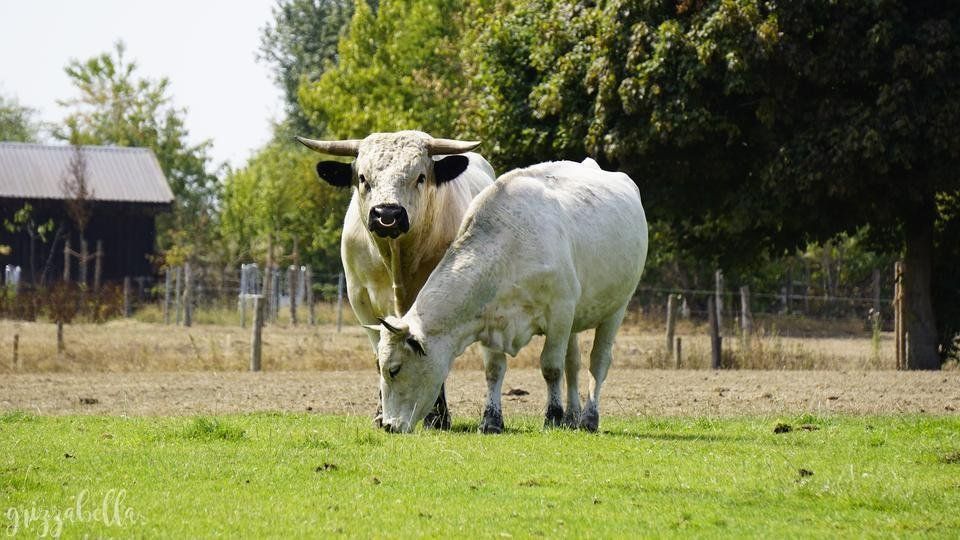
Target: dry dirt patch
(627,392)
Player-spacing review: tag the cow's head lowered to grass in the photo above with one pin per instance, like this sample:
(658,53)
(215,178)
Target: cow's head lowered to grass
(410,377)
(395,174)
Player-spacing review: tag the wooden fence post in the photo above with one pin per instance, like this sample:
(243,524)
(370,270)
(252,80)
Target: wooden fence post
(127,311)
(60,345)
(339,301)
(716,341)
(898,323)
(677,352)
(256,340)
(178,295)
(16,352)
(98,265)
(292,272)
(788,296)
(671,319)
(83,261)
(187,295)
(718,277)
(66,261)
(241,300)
(876,290)
(308,287)
(746,317)
(167,278)
(275,294)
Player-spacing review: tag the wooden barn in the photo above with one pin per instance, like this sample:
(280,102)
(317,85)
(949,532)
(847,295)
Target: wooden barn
(125,191)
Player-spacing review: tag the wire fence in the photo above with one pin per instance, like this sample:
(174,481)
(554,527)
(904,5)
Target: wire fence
(222,305)
(291,292)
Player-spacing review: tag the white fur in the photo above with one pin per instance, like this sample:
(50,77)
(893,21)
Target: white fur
(553,249)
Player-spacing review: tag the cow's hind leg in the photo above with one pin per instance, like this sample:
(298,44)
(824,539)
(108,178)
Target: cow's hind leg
(600,358)
(439,417)
(571,418)
(495,366)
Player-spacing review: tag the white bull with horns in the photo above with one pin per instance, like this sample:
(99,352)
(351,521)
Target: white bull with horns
(410,193)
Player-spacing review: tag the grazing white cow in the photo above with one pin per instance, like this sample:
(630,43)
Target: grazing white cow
(552,249)
(410,194)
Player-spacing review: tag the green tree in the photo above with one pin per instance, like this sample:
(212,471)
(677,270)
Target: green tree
(397,68)
(116,106)
(276,209)
(298,44)
(17,122)
(751,127)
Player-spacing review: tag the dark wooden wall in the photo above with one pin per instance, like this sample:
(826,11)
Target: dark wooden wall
(128,232)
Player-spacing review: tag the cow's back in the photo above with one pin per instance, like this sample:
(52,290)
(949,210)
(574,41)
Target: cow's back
(566,221)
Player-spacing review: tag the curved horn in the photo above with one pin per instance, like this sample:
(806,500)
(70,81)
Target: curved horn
(396,328)
(450,146)
(349,147)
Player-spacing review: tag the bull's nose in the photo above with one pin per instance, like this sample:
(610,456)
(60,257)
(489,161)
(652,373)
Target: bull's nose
(389,220)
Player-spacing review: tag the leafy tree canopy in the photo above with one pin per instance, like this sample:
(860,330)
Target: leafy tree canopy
(751,127)
(298,43)
(397,68)
(277,203)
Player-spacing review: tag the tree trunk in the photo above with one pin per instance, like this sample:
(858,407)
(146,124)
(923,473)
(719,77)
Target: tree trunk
(921,324)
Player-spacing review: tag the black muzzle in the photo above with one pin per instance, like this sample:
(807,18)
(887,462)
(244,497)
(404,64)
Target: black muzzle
(388,220)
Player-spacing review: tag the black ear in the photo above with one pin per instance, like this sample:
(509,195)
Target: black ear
(416,346)
(336,173)
(450,167)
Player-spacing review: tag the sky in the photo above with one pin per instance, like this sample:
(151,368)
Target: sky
(207,48)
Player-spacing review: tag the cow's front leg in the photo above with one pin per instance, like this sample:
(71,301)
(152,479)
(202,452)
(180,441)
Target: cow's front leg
(439,417)
(552,361)
(495,366)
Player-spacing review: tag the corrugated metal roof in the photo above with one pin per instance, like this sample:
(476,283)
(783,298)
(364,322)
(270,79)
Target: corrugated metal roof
(36,171)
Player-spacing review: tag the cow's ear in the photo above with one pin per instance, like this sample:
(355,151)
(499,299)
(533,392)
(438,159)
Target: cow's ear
(450,167)
(335,173)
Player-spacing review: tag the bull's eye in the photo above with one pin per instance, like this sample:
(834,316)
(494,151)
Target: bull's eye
(394,370)
(363,181)
(421,178)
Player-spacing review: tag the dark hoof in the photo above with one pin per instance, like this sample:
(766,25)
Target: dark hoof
(436,420)
(590,420)
(571,420)
(492,421)
(554,416)
(439,417)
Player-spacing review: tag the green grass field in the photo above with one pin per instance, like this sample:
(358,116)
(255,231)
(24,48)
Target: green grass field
(283,475)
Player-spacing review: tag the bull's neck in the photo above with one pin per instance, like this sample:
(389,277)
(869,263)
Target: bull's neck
(409,260)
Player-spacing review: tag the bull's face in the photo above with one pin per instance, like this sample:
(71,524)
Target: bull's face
(395,176)
(410,378)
